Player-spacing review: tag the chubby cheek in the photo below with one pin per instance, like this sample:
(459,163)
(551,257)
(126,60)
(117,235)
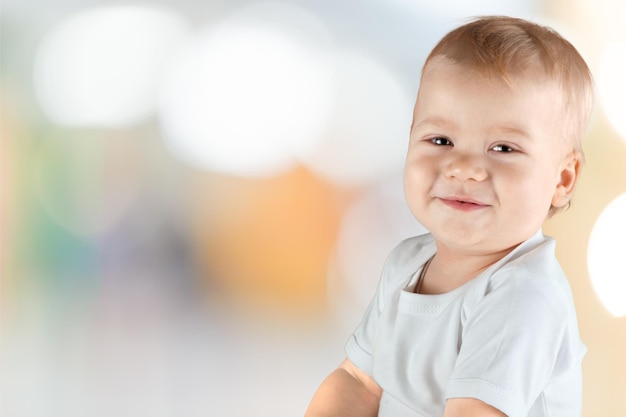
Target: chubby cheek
(527,197)
(409,184)
(418,180)
(415,173)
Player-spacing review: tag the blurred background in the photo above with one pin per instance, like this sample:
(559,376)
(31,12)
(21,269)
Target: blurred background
(197,197)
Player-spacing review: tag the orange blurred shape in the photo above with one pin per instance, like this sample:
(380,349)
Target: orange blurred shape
(266,241)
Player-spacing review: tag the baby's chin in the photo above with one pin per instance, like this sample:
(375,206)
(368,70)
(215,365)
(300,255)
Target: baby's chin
(475,245)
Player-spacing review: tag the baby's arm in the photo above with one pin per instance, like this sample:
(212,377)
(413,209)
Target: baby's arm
(346,392)
(469,407)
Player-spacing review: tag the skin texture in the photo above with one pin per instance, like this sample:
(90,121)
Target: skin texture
(348,391)
(484,165)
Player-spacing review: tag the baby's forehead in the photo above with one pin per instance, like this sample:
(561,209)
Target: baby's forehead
(512,75)
(445,81)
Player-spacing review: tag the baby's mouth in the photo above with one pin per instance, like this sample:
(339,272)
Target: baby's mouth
(463,203)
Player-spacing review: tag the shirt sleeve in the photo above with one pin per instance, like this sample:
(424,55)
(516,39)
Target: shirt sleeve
(403,260)
(513,342)
(360,345)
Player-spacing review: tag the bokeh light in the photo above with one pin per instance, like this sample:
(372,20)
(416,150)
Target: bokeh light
(102,67)
(367,137)
(612,85)
(250,92)
(266,241)
(605,256)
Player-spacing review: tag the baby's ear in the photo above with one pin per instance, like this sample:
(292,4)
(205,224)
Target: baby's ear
(569,173)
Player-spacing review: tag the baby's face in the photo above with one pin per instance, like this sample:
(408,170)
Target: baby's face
(485,161)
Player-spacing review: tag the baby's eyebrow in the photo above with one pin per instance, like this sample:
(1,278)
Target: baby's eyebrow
(435,121)
(512,131)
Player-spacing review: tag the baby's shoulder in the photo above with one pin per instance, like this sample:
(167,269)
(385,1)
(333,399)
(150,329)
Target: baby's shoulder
(534,263)
(530,276)
(408,256)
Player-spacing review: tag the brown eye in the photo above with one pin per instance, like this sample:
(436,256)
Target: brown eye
(502,148)
(441,141)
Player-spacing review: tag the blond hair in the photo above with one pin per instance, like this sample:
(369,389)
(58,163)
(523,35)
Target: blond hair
(507,47)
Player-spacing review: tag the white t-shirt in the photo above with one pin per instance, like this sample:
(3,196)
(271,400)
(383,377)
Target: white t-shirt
(509,337)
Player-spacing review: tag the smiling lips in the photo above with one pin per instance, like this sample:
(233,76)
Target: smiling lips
(463,203)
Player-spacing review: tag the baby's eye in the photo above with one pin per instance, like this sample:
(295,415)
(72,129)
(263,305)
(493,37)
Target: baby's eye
(441,141)
(502,148)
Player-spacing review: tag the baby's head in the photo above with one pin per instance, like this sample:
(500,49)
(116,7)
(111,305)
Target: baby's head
(510,49)
(495,144)
(517,52)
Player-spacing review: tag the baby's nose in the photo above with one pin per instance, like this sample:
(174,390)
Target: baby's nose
(464,167)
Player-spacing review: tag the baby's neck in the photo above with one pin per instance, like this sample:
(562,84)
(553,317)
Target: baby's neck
(449,269)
